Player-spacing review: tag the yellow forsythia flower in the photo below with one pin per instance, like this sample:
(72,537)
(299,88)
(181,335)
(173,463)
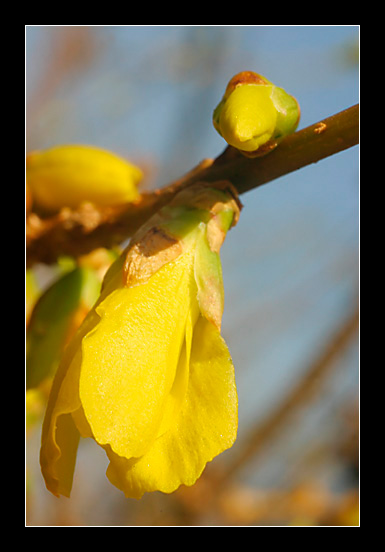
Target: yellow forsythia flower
(254,114)
(65,176)
(148,375)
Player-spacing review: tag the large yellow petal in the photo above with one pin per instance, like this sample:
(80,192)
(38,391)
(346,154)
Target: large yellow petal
(130,358)
(206,425)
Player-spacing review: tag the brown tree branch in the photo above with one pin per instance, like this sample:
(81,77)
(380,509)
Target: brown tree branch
(77,232)
(307,146)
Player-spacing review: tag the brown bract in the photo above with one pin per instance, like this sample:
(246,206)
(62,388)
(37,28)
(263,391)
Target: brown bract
(144,257)
(244,77)
(153,246)
(196,196)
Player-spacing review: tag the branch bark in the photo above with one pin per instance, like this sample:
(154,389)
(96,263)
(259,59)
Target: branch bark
(307,146)
(77,232)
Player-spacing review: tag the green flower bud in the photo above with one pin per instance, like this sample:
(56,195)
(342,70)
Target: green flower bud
(68,175)
(52,319)
(254,114)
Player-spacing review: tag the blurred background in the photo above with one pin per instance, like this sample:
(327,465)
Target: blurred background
(290,266)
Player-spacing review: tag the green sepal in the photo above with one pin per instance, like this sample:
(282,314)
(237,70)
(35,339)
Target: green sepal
(206,227)
(225,219)
(91,285)
(216,116)
(209,281)
(288,112)
(181,221)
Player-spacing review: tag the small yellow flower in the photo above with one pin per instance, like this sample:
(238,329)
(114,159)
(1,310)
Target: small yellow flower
(65,176)
(148,375)
(254,114)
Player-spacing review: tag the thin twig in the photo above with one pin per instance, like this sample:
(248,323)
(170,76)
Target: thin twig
(307,146)
(77,232)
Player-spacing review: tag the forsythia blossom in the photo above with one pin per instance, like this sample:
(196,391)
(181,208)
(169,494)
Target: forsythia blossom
(65,176)
(148,375)
(254,114)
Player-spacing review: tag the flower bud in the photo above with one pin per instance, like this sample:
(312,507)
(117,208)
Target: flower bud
(254,114)
(66,176)
(56,315)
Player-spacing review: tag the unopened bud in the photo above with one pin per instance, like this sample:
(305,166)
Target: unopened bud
(55,316)
(66,176)
(254,114)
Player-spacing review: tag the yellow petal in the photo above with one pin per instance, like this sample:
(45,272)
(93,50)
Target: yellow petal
(205,427)
(130,358)
(60,435)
